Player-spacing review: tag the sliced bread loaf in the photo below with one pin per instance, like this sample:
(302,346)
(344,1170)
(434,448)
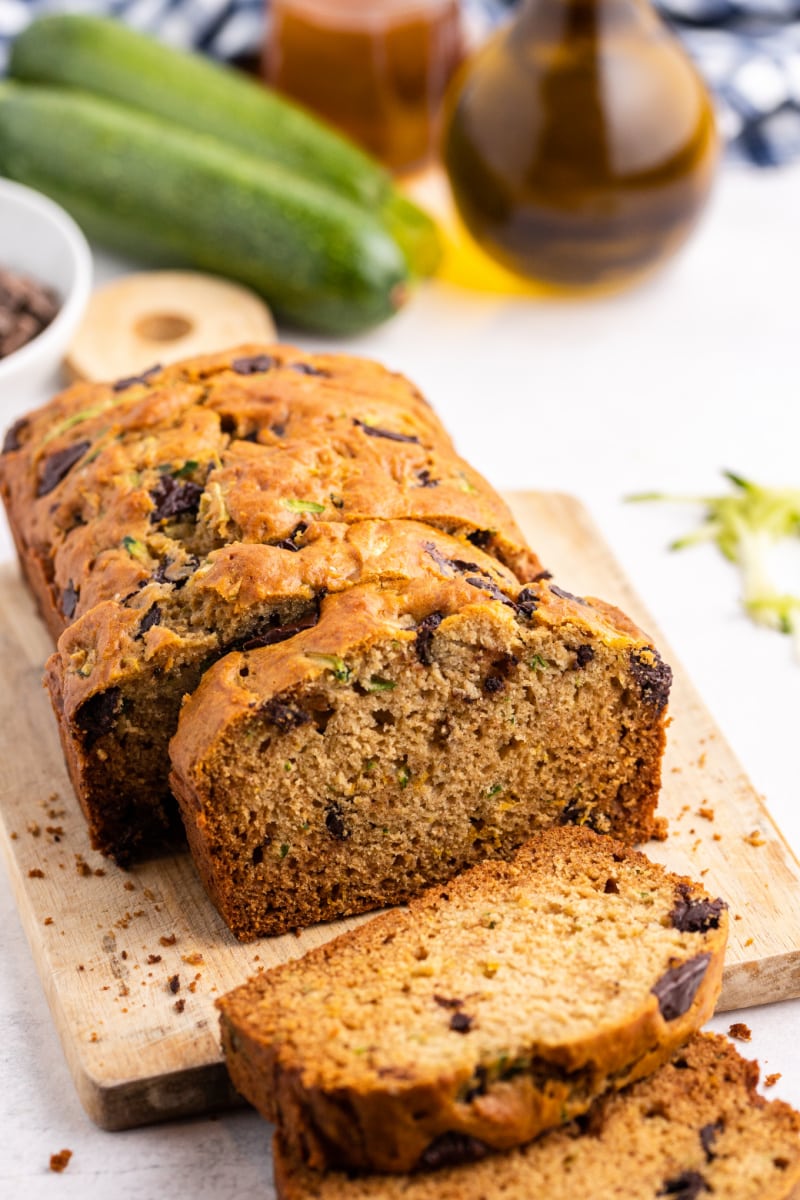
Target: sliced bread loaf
(418,727)
(483,1014)
(162,518)
(122,668)
(696,1128)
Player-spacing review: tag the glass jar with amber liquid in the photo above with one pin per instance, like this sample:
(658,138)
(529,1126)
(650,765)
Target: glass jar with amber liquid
(580,143)
(377,69)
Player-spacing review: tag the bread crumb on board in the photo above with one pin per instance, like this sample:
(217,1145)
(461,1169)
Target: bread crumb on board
(772,1079)
(740,1032)
(60,1161)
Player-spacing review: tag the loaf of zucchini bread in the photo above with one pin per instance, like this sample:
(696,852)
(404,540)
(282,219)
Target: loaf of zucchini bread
(163,518)
(223,510)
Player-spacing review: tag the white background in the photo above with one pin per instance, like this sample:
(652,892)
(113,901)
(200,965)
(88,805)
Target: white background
(660,388)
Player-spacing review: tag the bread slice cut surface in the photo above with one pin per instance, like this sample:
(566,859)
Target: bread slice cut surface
(419,727)
(491,1009)
(697,1128)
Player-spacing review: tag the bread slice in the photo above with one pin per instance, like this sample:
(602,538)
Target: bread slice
(417,728)
(486,1012)
(696,1128)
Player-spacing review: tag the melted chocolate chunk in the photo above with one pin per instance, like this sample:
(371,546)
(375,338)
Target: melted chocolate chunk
(425,631)
(448,564)
(686,1186)
(375,431)
(695,915)
(131,380)
(151,617)
(69,600)
(583,656)
(708,1135)
(479,1086)
(461,1022)
(272,634)
(254,365)
(493,684)
(557,591)
(653,678)
(486,585)
(527,602)
(542,576)
(284,716)
(97,716)
(450,1149)
(677,988)
(425,480)
(177,575)
(306,369)
(334,822)
(174,498)
(505,664)
(289,543)
(11,440)
(447,1001)
(58,465)
(480,538)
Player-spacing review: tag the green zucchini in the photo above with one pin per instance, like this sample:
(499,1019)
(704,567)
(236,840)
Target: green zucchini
(159,191)
(106,58)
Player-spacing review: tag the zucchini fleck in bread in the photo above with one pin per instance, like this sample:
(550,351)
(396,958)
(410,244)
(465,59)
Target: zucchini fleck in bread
(484,1013)
(412,731)
(695,1128)
(157,512)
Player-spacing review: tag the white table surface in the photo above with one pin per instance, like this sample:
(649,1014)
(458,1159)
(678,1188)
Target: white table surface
(659,388)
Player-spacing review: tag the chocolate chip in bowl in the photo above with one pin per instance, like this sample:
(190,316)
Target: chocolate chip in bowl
(45,280)
(27,307)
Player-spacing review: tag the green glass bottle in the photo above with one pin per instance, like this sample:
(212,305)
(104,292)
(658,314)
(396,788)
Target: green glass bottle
(580,143)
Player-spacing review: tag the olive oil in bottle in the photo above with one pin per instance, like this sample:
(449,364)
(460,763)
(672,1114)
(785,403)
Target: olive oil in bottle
(580,143)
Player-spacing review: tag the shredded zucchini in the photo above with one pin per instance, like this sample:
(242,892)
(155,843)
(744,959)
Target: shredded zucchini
(746,524)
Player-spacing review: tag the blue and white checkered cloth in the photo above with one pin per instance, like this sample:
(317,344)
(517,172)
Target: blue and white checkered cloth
(748,51)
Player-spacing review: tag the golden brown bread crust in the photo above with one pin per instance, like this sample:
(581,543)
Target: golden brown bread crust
(250,443)
(697,1127)
(492,1009)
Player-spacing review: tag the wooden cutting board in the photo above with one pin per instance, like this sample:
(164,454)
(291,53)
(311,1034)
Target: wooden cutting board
(132,961)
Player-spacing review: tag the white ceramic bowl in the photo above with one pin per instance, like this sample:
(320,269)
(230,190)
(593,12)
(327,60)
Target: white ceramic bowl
(39,239)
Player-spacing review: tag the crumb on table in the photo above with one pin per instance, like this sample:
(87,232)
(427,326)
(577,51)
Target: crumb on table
(60,1161)
(772,1079)
(740,1032)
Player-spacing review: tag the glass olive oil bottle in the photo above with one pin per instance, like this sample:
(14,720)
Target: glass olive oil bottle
(580,143)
